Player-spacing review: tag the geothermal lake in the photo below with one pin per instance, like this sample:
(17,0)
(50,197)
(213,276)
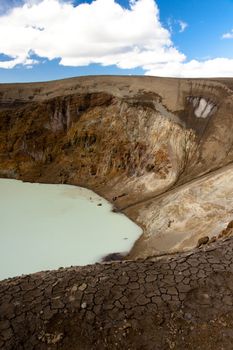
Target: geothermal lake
(50,226)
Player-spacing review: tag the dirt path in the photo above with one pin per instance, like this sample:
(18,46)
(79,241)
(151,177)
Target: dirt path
(178,302)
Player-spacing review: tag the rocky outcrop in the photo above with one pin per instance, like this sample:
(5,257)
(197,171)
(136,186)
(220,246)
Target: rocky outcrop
(177,302)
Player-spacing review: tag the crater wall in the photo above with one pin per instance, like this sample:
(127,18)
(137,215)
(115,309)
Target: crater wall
(131,139)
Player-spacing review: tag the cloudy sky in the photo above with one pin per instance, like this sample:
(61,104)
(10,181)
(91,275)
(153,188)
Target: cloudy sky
(53,39)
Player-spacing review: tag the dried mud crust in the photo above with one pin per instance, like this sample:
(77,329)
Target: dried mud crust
(177,302)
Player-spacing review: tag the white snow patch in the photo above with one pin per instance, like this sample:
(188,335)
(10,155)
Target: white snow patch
(202,107)
(208,110)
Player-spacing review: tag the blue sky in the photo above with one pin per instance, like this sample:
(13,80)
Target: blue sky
(54,39)
(207,21)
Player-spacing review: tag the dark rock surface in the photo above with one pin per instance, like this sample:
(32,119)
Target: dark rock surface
(175,302)
(113,257)
(202,241)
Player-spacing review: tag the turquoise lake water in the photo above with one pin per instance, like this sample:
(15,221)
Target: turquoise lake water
(50,226)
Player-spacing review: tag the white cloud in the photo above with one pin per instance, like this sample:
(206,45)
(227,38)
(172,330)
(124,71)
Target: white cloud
(18,60)
(183,25)
(217,67)
(101,32)
(228,35)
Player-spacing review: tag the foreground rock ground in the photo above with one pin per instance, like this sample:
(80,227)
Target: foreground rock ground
(175,302)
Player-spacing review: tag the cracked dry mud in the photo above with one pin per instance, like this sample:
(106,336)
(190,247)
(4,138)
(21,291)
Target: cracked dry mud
(176,302)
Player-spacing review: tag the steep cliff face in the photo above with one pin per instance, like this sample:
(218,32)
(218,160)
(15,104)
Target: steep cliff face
(123,148)
(131,139)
